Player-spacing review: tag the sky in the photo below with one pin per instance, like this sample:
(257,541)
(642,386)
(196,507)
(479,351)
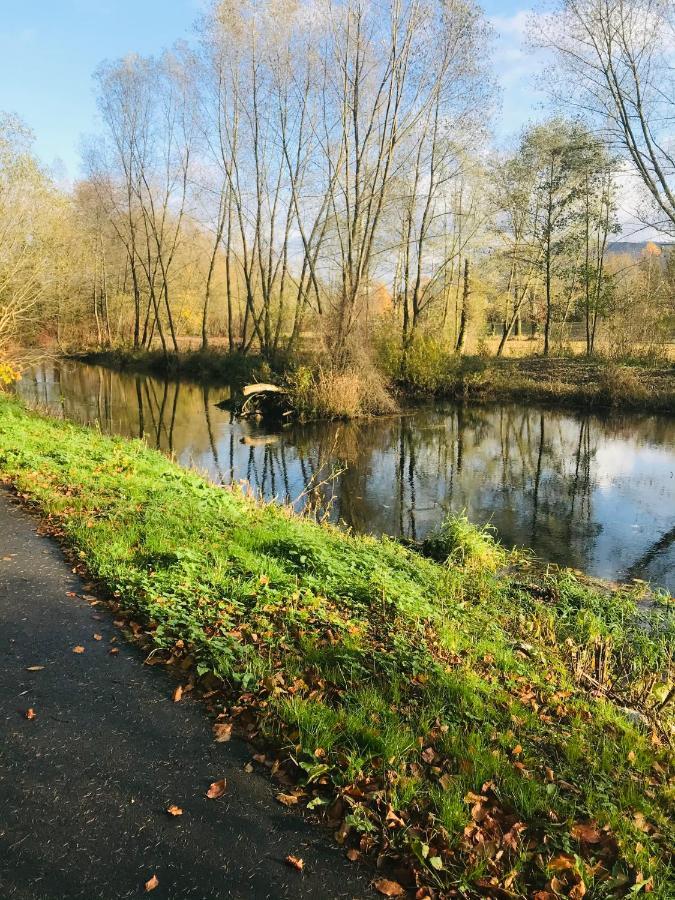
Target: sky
(49,50)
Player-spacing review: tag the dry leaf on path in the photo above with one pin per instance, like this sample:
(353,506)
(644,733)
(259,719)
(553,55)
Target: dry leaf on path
(152,883)
(78,649)
(296,862)
(174,810)
(177,694)
(222,732)
(30,713)
(216,789)
(98,637)
(34,668)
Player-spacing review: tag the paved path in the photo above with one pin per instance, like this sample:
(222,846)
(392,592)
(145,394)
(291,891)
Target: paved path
(85,784)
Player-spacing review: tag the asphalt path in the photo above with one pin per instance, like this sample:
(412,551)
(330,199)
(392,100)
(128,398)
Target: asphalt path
(86,782)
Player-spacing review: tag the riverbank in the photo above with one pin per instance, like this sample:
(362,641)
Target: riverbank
(580,382)
(483,731)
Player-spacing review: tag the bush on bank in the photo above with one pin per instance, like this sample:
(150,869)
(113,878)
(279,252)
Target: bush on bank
(485,731)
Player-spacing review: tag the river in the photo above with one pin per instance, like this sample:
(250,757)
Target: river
(594,492)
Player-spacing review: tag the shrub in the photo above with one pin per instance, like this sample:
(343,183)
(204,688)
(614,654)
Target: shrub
(327,393)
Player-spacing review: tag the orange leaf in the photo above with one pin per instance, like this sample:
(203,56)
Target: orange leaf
(78,649)
(353,855)
(177,694)
(222,732)
(577,891)
(216,789)
(174,810)
(30,713)
(388,888)
(562,862)
(296,862)
(287,799)
(152,883)
(98,637)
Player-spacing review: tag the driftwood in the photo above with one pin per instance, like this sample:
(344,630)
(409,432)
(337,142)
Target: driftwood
(259,401)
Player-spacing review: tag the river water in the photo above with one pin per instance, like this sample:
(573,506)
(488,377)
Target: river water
(594,492)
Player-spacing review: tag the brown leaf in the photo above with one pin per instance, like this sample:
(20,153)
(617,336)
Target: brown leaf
(577,891)
(78,649)
(152,883)
(98,637)
(287,799)
(353,855)
(174,810)
(296,862)
(588,832)
(114,650)
(388,888)
(177,694)
(429,755)
(30,713)
(222,732)
(216,789)
(34,668)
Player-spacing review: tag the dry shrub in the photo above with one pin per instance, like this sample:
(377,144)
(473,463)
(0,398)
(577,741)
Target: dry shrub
(349,393)
(616,382)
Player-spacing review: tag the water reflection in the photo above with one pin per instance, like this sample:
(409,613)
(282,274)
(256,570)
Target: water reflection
(593,492)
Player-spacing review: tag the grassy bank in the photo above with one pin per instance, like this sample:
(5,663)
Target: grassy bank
(488,733)
(591,383)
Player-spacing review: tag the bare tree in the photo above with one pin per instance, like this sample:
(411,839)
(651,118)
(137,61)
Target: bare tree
(618,55)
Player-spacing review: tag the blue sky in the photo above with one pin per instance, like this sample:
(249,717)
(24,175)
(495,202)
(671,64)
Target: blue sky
(49,49)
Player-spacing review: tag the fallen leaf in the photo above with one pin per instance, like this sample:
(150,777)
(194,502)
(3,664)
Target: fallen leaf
(78,649)
(174,810)
(114,650)
(177,694)
(577,891)
(152,883)
(222,732)
(587,831)
(216,789)
(30,713)
(388,888)
(353,855)
(98,637)
(34,668)
(296,862)
(287,799)
(562,862)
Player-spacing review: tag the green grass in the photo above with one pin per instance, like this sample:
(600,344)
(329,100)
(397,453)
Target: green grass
(406,687)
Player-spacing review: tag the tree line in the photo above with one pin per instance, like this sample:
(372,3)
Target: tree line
(320,175)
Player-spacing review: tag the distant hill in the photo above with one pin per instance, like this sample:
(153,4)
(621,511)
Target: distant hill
(637,248)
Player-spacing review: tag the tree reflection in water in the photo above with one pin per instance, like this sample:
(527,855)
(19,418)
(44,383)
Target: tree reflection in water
(595,492)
